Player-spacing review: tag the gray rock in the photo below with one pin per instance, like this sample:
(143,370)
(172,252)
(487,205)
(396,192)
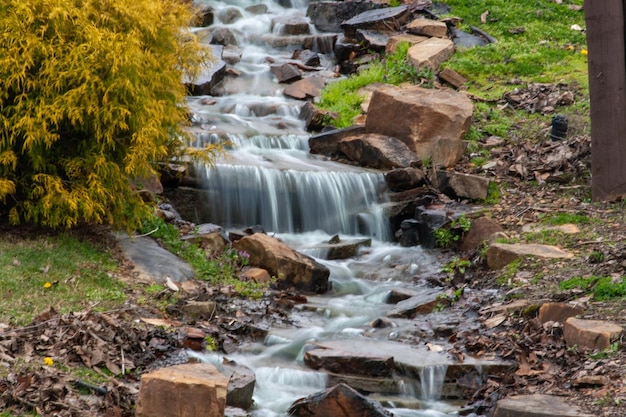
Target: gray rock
(328,15)
(338,401)
(537,405)
(229,15)
(257,9)
(223,36)
(457,184)
(386,19)
(420,304)
(152,262)
(326,143)
(377,151)
(211,77)
(290,25)
(286,73)
(315,118)
(402,179)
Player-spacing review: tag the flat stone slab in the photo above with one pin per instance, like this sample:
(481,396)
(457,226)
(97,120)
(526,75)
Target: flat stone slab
(152,262)
(431,53)
(188,390)
(590,334)
(410,360)
(419,304)
(502,254)
(537,405)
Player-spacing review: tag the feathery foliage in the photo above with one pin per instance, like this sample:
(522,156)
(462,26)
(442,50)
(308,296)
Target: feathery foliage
(91,97)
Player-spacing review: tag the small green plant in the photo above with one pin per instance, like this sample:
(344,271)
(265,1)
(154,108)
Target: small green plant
(456,265)
(211,344)
(462,223)
(445,238)
(509,272)
(606,353)
(493,193)
(596,257)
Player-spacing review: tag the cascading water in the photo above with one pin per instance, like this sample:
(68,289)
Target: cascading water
(268,178)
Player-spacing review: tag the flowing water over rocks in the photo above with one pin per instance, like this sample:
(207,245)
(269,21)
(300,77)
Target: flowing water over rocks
(269,178)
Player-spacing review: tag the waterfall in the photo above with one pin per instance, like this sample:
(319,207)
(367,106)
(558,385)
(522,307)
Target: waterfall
(294,201)
(431,381)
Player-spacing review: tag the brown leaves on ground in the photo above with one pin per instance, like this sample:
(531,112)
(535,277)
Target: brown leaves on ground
(545,365)
(54,343)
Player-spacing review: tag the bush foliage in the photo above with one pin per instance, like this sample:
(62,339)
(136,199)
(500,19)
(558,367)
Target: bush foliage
(91,97)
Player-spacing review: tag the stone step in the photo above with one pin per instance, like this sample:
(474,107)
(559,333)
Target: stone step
(537,405)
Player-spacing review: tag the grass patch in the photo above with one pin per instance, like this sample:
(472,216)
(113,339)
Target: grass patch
(565,218)
(55,271)
(602,288)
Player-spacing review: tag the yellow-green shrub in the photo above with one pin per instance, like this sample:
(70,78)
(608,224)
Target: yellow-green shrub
(91,95)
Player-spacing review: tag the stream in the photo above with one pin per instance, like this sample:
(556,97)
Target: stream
(269,178)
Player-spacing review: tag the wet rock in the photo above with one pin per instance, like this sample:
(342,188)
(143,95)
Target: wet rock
(386,19)
(286,73)
(420,117)
(338,401)
(346,363)
(328,15)
(431,53)
(429,221)
(229,15)
(458,184)
(409,233)
(326,143)
(377,151)
(428,27)
(211,77)
(193,338)
(399,294)
(423,303)
(502,254)
(373,40)
(307,88)
(364,384)
(188,390)
(346,49)
(537,405)
(316,119)
(206,16)
(231,54)
(452,77)
(241,382)
(395,40)
(402,179)
(558,312)
(322,43)
(342,249)
(591,334)
(290,25)
(480,231)
(291,268)
(308,57)
(257,9)
(151,262)
(223,36)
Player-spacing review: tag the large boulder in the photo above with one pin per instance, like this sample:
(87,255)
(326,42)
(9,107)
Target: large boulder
(338,401)
(188,390)
(292,268)
(378,151)
(422,118)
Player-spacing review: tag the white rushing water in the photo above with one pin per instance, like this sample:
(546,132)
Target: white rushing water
(269,178)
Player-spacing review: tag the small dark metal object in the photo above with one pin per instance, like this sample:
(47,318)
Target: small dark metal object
(96,389)
(559,127)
